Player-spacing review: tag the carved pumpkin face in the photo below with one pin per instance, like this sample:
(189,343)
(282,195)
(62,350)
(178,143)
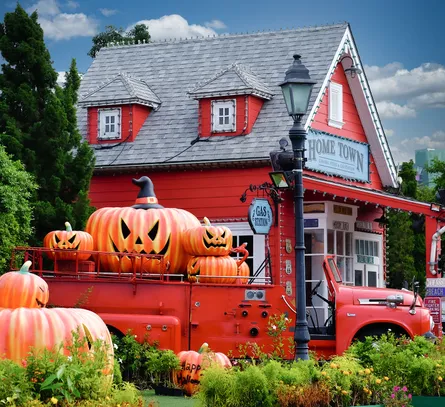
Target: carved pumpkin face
(208,240)
(23,289)
(70,241)
(140,231)
(192,365)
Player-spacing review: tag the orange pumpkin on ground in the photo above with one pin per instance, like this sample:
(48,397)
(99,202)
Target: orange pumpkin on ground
(193,363)
(208,240)
(68,241)
(144,228)
(23,289)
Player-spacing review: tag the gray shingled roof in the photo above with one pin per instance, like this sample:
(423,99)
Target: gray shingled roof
(171,69)
(122,89)
(236,79)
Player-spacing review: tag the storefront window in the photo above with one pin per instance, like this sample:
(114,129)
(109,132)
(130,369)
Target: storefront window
(316,245)
(340,242)
(331,239)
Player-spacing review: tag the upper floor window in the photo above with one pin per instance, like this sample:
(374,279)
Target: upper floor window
(336,105)
(109,124)
(223,115)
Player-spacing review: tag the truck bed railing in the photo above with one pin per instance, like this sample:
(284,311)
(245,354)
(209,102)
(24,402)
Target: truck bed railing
(52,263)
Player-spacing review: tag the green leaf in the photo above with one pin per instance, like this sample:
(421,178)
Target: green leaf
(48,381)
(61,371)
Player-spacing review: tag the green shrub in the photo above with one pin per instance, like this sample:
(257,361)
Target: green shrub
(15,389)
(215,387)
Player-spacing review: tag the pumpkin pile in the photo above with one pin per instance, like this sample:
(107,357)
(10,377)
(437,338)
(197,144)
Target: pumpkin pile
(210,247)
(144,228)
(192,365)
(26,323)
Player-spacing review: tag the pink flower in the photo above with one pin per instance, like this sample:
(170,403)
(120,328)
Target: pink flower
(404,388)
(410,396)
(24,363)
(396,388)
(393,396)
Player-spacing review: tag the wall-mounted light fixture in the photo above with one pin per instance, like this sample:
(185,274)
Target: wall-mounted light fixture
(352,71)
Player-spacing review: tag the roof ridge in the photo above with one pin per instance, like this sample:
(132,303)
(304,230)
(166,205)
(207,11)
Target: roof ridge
(126,80)
(175,40)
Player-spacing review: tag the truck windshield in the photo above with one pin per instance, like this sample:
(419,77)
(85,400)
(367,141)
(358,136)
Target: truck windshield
(334,269)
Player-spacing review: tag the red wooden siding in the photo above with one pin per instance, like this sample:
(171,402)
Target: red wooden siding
(243,124)
(352,129)
(132,119)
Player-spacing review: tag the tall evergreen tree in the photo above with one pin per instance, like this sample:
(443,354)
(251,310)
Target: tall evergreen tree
(38,125)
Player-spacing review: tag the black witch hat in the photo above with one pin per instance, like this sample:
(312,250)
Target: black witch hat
(146,198)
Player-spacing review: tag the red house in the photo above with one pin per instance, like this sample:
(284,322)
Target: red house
(200,117)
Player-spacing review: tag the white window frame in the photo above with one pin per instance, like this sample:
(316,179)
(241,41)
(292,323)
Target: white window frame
(336,105)
(259,246)
(224,104)
(106,119)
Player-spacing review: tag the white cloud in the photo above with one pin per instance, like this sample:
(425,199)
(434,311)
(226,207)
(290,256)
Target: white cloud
(436,140)
(394,82)
(429,100)
(63,26)
(390,110)
(72,4)
(389,132)
(174,26)
(215,24)
(107,12)
(45,8)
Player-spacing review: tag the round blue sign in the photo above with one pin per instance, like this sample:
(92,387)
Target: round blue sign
(260,216)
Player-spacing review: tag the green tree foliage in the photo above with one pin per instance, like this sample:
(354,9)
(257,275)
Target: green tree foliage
(16,188)
(406,237)
(437,168)
(38,125)
(112,34)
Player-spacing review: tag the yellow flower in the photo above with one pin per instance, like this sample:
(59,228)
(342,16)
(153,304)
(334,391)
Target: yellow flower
(346,373)
(440,378)
(378,381)
(438,365)
(367,371)
(54,400)
(344,392)
(386,378)
(370,392)
(323,373)
(372,369)
(365,389)
(333,365)
(360,372)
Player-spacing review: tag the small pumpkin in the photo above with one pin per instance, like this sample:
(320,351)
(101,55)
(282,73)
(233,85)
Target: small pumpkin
(68,241)
(144,228)
(192,365)
(23,289)
(212,269)
(208,240)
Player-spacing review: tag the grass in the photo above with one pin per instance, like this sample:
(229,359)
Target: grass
(166,401)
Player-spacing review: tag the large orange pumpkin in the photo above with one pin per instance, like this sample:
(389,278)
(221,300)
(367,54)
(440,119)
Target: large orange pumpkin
(68,241)
(192,365)
(208,240)
(212,269)
(39,328)
(23,289)
(145,228)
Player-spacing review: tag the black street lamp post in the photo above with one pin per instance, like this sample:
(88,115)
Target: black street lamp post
(297,88)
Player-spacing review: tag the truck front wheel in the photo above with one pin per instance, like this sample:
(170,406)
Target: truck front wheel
(379,330)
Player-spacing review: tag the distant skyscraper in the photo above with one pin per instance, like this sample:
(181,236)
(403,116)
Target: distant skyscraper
(423,158)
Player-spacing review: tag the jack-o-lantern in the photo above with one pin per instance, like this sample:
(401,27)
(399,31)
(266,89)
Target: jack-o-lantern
(23,289)
(243,271)
(208,240)
(69,242)
(144,228)
(192,365)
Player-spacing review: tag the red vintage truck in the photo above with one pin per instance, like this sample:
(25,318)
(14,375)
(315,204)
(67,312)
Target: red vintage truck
(182,311)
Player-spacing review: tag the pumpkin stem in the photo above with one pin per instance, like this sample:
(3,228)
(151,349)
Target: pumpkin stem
(25,268)
(204,348)
(68,227)
(206,221)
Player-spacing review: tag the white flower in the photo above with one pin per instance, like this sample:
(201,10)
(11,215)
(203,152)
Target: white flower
(274,327)
(389,329)
(70,358)
(115,346)
(120,360)
(286,319)
(135,336)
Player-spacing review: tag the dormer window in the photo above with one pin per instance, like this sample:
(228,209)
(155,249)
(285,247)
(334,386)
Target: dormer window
(109,124)
(336,105)
(223,115)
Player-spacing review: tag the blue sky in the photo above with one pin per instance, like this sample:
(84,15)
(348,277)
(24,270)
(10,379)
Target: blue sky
(401,44)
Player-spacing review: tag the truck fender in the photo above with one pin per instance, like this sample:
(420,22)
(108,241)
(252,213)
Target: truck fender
(378,329)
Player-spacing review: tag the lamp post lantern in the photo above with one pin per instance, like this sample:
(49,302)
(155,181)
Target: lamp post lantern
(297,88)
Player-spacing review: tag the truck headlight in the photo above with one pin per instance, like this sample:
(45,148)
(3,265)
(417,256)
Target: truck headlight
(431,323)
